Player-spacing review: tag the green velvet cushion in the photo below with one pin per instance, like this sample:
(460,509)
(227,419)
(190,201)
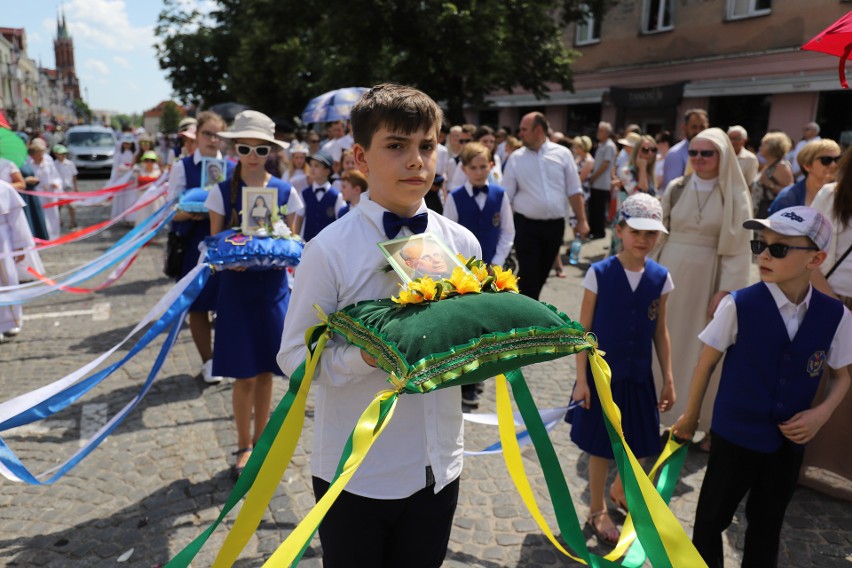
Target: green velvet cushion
(458,340)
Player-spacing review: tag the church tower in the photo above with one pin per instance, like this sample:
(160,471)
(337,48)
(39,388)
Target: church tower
(63,49)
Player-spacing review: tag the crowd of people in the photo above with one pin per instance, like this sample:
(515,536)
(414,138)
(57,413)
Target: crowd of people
(673,296)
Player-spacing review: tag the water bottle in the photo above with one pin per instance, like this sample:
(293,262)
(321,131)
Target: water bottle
(574,252)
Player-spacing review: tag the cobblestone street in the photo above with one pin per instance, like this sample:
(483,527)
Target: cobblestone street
(163,475)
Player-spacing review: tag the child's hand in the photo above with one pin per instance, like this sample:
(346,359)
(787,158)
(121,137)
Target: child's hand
(803,426)
(582,394)
(369,359)
(667,397)
(684,428)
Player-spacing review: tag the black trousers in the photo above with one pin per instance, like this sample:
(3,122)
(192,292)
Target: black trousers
(359,532)
(769,479)
(537,243)
(598,208)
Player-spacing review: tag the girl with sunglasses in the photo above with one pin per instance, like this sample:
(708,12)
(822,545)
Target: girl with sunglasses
(818,160)
(252,304)
(637,176)
(193,228)
(706,251)
(829,450)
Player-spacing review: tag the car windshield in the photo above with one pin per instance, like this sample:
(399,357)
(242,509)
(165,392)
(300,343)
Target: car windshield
(90,139)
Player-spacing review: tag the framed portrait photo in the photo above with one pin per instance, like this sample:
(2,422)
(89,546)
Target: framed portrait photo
(213,172)
(258,204)
(420,255)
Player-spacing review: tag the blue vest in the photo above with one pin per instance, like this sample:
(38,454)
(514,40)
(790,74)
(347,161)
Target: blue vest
(318,214)
(344,210)
(625,320)
(767,378)
(225,187)
(484,224)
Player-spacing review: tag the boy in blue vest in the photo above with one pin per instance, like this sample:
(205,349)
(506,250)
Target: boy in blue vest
(411,476)
(485,210)
(322,201)
(777,337)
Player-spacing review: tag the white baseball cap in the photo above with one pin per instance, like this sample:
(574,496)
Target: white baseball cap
(799,221)
(642,212)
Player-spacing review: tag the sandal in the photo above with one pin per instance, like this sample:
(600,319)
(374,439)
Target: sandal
(608,536)
(704,444)
(620,502)
(236,470)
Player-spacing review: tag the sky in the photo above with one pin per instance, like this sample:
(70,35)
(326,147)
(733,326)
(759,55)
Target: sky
(114,52)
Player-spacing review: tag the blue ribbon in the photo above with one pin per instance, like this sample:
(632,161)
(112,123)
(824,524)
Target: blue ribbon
(172,319)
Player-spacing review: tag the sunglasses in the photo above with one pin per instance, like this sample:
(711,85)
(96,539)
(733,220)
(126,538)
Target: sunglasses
(828,160)
(702,153)
(261,151)
(648,150)
(776,250)
(465,140)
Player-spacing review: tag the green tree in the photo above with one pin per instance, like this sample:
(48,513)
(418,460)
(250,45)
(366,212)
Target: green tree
(458,52)
(170,119)
(82,110)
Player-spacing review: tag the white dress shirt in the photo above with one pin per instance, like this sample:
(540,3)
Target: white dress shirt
(539,183)
(177,176)
(507,222)
(721,332)
(340,266)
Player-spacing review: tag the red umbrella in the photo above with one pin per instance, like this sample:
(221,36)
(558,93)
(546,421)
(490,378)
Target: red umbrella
(3,122)
(836,39)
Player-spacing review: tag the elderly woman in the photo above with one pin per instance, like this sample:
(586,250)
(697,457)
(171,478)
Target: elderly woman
(830,448)
(581,146)
(818,160)
(777,174)
(706,251)
(49,180)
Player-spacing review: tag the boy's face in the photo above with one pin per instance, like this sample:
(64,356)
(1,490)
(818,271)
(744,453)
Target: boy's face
(399,168)
(477,170)
(348,190)
(635,242)
(319,173)
(797,264)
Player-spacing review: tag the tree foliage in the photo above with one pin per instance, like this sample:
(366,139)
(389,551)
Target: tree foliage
(170,119)
(275,55)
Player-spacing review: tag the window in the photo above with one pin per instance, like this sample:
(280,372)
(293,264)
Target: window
(588,28)
(748,8)
(657,16)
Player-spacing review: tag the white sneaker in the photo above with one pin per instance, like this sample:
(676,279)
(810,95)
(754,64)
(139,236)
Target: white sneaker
(12,332)
(207,373)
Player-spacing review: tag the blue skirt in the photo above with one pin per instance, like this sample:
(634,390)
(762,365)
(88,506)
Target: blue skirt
(194,232)
(249,321)
(640,419)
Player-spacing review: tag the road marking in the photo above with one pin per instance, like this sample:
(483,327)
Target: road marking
(92,418)
(99,312)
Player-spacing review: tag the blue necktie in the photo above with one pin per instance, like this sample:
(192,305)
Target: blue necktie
(393,223)
(477,189)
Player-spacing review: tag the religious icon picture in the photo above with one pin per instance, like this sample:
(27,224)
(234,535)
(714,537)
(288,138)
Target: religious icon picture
(420,255)
(258,203)
(212,172)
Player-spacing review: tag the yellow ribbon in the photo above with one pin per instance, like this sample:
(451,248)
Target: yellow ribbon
(367,430)
(273,467)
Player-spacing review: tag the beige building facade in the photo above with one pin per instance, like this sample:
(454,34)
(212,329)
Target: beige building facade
(647,61)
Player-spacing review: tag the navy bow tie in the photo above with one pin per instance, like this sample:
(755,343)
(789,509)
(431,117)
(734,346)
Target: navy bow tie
(393,223)
(318,189)
(477,189)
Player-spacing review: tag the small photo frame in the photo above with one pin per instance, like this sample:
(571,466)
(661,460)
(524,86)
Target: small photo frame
(213,172)
(420,255)
(258,205)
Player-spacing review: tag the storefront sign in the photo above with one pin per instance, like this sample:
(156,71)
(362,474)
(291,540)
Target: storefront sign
(650,97)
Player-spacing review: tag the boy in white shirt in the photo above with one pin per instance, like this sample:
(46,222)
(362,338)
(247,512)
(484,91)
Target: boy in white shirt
(68,172)
(410,477)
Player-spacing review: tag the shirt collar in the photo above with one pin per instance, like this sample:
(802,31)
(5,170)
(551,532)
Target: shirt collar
(197,157)
(469,187)
(323,186)
(781,300)
(374,212)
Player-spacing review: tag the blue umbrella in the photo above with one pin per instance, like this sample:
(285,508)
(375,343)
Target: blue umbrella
(333,105)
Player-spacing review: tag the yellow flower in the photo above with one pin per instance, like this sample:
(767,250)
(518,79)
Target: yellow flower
(464,282)
(504,280)
(480,271)
(406,297)
(426,287)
